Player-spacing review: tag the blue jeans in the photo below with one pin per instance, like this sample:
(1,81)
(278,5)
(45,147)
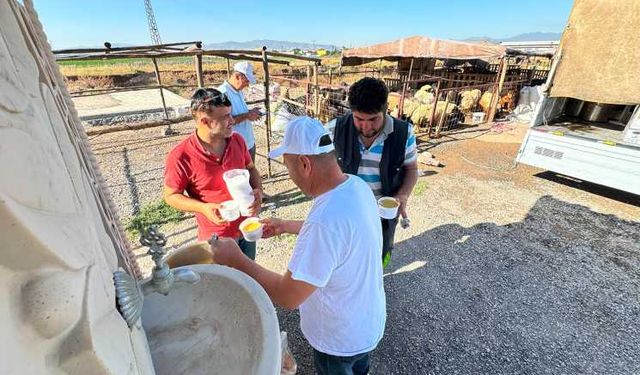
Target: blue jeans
(327,364)
(248,248)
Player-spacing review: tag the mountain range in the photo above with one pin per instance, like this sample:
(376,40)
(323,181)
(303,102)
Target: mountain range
(527,37)
(283,45)
(280,45)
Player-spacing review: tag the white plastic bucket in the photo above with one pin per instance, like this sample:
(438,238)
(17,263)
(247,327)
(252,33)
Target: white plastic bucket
(477,117)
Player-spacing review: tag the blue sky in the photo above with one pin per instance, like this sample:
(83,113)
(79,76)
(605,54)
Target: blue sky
(350,23)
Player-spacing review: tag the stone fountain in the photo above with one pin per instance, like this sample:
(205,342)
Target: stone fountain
(63,251)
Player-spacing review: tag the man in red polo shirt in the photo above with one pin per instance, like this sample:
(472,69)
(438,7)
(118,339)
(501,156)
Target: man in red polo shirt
(196,165)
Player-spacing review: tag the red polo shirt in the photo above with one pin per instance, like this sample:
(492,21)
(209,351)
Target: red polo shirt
(193,169)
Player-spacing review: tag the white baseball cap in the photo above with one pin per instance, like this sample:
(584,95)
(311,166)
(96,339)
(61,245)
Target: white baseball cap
(302,137)
(245,68)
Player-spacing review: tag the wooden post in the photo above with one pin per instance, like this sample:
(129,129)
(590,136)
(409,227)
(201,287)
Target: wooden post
(167,130)
(404,91)
(401,101)
(433,110)
(267,121)
(504,66)
(307,97)
(444,113)
(410,70)
(164,105)
(330,76)
(532,74)
(228,69)
(316,92)
(503,74)
(379,68)
(198,61)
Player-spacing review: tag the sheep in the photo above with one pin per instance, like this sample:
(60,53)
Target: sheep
(485,101)
(469,101)
(408,107)
(451,109)
(425,95)
(422,113)
(332,103)
(337,96)
(506,103)
(392,101)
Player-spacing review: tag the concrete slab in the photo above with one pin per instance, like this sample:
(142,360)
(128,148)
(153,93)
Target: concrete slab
(128,106)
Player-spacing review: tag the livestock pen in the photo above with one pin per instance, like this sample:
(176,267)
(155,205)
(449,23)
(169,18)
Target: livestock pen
(438,85)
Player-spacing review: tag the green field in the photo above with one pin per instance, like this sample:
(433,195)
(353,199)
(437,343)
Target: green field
(138,61)
(108,67)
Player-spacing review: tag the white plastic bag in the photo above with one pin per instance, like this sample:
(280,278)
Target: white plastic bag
(282,118)
(289,365)
(529,97)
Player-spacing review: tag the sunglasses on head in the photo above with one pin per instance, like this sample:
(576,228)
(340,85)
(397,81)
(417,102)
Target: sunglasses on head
(203,97)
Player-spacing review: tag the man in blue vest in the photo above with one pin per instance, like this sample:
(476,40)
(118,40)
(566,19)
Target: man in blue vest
(378,148)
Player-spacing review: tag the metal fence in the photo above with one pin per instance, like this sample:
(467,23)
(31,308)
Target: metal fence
(442,101)
(300,98)
(434,109)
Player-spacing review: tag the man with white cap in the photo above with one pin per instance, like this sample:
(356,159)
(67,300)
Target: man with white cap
(241,78)
(334,275)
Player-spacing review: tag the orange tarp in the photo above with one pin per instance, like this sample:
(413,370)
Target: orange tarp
(422,47)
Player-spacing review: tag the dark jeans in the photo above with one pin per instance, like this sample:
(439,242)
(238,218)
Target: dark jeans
(248,248)
(252,152)
(327,364)
(388,233)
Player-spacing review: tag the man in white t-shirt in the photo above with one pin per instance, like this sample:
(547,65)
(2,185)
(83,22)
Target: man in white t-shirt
(241,78)
(335,274)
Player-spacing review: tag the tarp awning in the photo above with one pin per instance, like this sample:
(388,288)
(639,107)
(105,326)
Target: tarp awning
(422,47)
(600,53)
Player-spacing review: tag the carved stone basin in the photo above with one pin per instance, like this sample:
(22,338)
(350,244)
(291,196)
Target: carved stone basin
(224,324)
(195,253)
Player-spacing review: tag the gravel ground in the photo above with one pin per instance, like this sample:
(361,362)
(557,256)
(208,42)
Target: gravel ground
(505,269)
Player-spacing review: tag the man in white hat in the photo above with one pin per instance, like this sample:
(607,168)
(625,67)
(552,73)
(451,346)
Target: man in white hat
(334,275)
(241,78)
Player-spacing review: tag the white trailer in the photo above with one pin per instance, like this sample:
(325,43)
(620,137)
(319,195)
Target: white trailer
(587,122)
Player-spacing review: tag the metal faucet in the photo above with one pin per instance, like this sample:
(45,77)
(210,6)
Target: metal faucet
(129,294)
(163,278)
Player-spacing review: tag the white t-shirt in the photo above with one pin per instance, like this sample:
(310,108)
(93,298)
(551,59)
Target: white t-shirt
(239,107)
(339,250)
